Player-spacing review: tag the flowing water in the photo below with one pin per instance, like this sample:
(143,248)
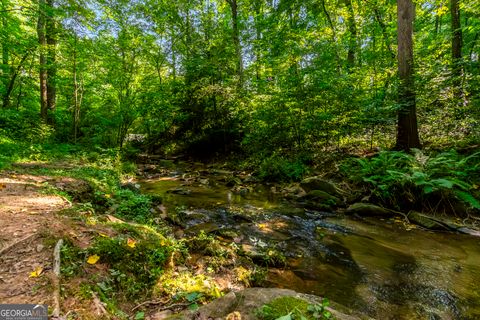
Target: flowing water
(379,268)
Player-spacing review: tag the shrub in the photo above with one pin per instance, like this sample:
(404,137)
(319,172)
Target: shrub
(135,264)
(278,168)
(397,177)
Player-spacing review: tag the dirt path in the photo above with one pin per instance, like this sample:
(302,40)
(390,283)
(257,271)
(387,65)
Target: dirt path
(28,219)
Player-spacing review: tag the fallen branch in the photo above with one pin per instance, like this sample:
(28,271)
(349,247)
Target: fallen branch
(56,279)
(156,302)
(99,305)
(6,249)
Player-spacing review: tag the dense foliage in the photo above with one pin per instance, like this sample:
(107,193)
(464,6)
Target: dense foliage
(284,79)
(418,181)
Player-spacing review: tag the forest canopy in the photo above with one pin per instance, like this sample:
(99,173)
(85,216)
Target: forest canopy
(270,78)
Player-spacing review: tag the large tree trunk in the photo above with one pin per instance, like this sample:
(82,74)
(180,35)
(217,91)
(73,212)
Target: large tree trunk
(236,40)
(456,49)
(50,34)
(43,61)
(407,129)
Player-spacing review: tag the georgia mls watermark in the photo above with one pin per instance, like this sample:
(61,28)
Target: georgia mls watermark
(23,312)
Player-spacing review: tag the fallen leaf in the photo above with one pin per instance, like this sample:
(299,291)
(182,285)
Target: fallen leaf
(91,221)
(3,186)
(37,272)
(103,235)
(93,259)
(131,242)
(262,226)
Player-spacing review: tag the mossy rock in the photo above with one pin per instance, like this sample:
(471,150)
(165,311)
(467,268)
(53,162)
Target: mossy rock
(248,301)
(368,209)
(323,197)
(282,306)
(317,183)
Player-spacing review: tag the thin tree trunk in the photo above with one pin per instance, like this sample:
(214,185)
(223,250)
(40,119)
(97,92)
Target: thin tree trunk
(236,40)
(50,35)
(42,60)
(334,33)
(352,39)
(258,35)
(386,39)
(11,83)
(5,51)
(407,128)
(76,105)
(174,56)
(456,49)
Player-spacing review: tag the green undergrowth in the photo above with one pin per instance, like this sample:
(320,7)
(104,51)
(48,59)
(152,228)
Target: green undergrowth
(419,180)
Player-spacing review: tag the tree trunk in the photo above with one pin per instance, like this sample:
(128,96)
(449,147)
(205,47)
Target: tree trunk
(386,39)
(456,49)
(5,68)
(258,36)
(236,40)
(407,129)
(334,33)
(76,100)
(352,39)
(42,61)
(50,34)
(11,83)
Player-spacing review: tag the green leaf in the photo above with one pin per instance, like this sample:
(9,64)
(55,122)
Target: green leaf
(193,307)
(287,317)
(140,315)
(468,198)
(442,183)
(427,189)
(192,296)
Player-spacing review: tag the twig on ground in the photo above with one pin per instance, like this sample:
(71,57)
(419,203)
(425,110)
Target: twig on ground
(99,305)
(157,302)
(6,249)
(56,279)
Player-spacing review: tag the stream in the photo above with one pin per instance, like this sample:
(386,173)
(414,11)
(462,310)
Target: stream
(380,268)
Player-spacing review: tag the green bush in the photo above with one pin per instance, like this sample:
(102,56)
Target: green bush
(394,177)
(278,168)
(132,205)
(135,264)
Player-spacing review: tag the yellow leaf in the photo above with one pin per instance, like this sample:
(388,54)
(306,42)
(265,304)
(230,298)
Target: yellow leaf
(131,242)
(36,273)
(108,196)
(93,259)
(262,226)
(103,235)
(91,221)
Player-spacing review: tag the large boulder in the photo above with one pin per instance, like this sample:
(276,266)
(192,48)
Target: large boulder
(368,209)
(317,183)
(244,304)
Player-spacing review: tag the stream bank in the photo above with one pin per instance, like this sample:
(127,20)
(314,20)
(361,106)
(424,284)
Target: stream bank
(381,267)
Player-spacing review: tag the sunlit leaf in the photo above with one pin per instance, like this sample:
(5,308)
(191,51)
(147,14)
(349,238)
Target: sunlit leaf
(131,242)
(93,259)
(37,272)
